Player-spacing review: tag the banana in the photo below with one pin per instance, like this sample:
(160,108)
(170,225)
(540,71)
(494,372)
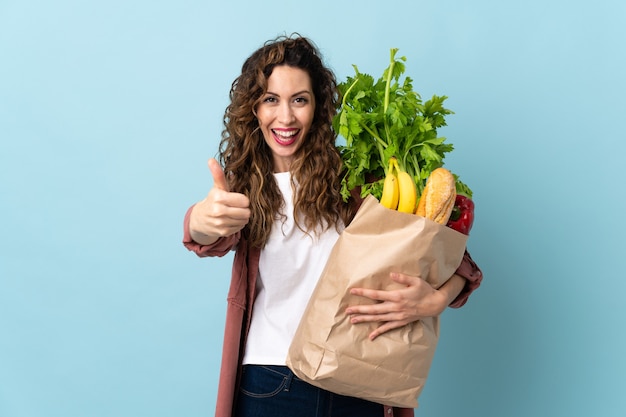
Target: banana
(399,190)
(408,193)
(391,193)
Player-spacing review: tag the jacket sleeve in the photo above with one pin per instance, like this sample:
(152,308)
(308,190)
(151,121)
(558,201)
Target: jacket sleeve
(220,248)
(473,277)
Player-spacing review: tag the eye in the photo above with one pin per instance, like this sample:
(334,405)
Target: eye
(269,99)
(301,100)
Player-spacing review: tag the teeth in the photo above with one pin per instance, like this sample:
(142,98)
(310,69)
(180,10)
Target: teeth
(285,134)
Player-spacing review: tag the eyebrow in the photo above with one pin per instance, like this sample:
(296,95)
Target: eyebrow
(294,94)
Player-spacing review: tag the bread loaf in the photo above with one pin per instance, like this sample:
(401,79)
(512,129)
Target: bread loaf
(437,199)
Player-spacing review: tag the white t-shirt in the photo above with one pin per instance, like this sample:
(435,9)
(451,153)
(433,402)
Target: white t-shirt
(289,268)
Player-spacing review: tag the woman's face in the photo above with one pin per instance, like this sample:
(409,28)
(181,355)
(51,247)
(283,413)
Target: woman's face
(285,113)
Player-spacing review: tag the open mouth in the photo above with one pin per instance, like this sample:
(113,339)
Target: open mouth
(285,137)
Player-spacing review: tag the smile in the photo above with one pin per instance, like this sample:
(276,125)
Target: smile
(285,137)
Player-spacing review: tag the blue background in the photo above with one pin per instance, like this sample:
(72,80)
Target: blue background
(109,111)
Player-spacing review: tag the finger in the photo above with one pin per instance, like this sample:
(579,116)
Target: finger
(371,312)
(375,317)
(239,203)
(385,327)
(376,295)
(403,279)
(219,178)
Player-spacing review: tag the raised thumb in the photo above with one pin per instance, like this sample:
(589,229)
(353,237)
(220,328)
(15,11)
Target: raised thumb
(219,178)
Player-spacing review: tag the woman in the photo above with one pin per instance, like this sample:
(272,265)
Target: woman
(276,203)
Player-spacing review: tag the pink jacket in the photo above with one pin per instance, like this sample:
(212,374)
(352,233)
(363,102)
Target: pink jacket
(241,297)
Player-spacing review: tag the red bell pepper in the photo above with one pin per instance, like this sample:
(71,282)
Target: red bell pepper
(462,216)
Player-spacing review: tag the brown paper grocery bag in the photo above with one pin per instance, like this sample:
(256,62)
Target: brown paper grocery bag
(330,352)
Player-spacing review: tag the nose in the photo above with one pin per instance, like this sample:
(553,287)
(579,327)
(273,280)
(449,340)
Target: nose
(285,113)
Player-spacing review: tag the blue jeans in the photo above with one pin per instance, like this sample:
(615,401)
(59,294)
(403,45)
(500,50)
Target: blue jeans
(274,391)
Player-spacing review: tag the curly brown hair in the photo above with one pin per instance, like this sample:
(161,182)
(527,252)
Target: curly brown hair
(248,162)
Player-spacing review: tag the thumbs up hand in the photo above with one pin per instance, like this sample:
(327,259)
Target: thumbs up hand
(221,213)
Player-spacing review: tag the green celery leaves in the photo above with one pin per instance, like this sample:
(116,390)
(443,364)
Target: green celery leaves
(383,118)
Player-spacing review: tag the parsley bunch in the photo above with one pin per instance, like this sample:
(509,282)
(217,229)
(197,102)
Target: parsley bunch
(387,118)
